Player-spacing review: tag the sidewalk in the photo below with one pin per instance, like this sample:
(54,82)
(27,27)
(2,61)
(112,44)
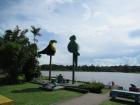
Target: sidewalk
(87,99)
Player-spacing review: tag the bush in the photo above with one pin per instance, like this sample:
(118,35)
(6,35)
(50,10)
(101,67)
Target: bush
(71,88)
(94,87)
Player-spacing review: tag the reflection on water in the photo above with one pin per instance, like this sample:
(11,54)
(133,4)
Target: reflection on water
(123,79)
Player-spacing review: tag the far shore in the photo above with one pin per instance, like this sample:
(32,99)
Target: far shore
(90,71)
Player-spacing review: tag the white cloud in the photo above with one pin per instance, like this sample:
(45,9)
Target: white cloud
(132,61)
(122,21)
(1,32)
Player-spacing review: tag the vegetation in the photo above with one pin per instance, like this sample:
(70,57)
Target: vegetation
(35,32)
(121,68)
(18,55)
(94,87)
(105,90)
(70,88)
(30,94)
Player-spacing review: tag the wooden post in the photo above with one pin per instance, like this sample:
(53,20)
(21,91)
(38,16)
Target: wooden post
(50,68)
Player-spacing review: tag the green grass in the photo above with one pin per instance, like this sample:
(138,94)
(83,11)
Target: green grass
(117,102)
(29,94)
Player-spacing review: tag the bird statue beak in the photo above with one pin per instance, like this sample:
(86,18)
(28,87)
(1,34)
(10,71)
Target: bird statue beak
(54,41)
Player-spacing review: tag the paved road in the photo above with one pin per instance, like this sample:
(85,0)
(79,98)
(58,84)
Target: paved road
(87,99)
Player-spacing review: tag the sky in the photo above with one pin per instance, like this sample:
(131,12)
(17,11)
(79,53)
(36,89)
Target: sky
(107,31)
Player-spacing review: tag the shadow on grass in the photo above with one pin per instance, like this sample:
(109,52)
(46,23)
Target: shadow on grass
(125,102)
(28,90)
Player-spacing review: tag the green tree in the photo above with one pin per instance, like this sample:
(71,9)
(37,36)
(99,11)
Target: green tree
(17,52)
(35,32)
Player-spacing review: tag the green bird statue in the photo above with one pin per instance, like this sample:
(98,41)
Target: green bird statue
(73,47)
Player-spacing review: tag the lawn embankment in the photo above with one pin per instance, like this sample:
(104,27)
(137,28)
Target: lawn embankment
(30,94)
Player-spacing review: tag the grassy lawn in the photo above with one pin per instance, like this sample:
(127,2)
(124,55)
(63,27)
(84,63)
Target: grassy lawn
(118,102)
(29,94)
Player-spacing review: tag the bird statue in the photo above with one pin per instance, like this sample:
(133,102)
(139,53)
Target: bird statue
(73,48)
(50,51)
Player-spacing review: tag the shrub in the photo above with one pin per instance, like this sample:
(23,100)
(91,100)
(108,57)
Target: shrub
(73,88)
(94,87)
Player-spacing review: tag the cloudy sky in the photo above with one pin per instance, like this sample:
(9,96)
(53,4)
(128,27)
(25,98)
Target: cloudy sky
(107,31)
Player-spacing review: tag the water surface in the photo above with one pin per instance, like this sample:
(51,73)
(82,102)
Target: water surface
(123,79)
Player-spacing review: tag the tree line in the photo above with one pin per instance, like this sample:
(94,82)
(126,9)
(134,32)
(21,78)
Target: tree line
(92,68)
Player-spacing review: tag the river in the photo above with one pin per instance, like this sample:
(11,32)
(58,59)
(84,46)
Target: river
(122,79)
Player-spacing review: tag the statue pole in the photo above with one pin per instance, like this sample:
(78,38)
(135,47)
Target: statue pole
(50,68)
(73,71)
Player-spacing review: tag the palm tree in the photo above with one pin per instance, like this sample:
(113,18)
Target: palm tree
(50,50)
(35,32)
(73,48)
